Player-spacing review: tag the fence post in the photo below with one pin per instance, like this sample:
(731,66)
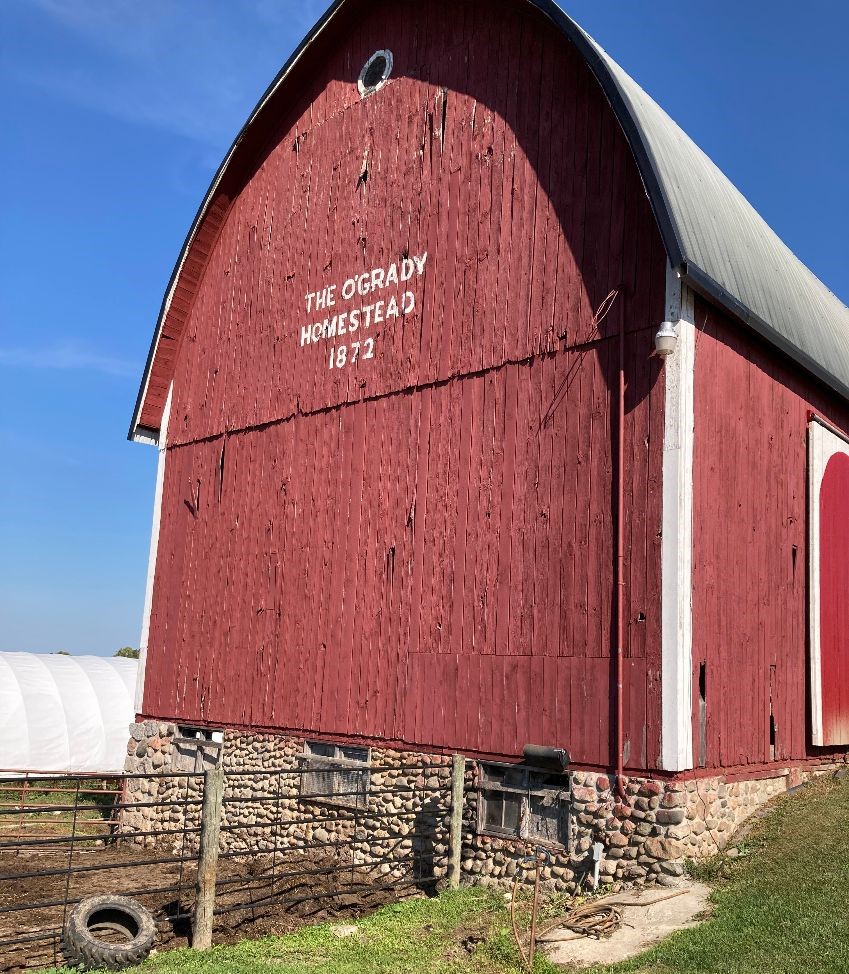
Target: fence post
(210,823)
(455,839)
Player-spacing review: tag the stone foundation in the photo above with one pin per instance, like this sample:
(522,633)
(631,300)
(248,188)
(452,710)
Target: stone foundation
(407,812)
(647,834)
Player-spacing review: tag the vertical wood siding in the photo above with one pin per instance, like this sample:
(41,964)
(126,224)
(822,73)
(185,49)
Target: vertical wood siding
(418,547)
(750,543)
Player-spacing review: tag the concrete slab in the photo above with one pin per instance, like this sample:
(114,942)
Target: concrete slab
(647,917)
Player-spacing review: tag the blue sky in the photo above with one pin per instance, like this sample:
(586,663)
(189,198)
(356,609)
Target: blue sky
(116,114)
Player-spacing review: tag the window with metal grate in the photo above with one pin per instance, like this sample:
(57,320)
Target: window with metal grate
(335,773)
(524,803)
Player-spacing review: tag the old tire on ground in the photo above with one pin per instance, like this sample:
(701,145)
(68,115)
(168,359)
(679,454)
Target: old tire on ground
(111,932)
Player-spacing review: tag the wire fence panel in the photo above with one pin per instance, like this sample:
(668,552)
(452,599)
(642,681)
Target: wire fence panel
(296,845)
(88,802)
(64,839)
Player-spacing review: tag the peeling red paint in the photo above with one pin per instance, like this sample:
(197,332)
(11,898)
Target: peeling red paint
(750,545)
(418,546)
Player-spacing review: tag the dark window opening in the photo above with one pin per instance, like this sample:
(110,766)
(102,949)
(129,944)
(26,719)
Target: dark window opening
(375,73)
(198,734)
(524,803)
(335,773)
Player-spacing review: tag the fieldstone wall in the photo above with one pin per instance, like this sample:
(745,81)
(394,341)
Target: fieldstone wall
(714,809)
(648,832)
(636,831)
(164,806)
(406,818)
(407,815)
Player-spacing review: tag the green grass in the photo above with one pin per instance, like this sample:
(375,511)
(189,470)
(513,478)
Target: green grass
(420,936)
(781,907)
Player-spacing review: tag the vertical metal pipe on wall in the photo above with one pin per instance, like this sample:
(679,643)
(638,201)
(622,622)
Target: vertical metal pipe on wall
(620,560)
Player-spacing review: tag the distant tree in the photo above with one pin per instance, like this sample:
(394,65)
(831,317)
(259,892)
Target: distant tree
(61,652)
(127,652)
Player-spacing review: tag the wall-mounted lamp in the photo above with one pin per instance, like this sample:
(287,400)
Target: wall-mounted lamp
(551,758)
(666,339)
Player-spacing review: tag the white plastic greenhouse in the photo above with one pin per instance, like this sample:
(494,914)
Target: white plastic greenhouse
(65,714)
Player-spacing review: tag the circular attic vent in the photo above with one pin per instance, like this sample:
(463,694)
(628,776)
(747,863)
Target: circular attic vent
(375,72)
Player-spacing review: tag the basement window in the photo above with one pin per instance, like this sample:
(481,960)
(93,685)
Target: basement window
(519,802)
(199,734)
(337,774)
(198,748)
(375,73)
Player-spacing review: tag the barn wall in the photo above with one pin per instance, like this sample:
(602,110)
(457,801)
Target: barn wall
(418,547)
(750,544)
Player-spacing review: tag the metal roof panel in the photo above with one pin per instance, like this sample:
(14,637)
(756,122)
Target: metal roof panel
(729,250)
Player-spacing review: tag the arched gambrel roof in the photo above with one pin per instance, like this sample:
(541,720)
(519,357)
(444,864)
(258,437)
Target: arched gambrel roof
(713,236)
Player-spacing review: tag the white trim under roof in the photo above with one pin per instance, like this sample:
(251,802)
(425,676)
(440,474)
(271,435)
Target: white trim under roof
(154,547)
(677,540)
(824,441)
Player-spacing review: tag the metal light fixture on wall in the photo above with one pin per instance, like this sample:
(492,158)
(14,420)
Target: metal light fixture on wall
(666,339)
(555,759)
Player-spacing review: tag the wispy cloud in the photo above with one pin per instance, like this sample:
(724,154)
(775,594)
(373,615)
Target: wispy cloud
(66,356)
(193,68)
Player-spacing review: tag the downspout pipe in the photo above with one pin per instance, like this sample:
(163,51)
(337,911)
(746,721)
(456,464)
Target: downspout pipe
(620,566)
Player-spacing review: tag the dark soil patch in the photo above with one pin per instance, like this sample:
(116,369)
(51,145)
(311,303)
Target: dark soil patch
(256,896)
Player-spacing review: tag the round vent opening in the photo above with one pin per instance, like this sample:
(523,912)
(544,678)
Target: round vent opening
(375,72)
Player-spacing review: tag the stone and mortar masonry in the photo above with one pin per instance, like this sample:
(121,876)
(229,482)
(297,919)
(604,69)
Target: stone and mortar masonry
(406,818)
(648,833)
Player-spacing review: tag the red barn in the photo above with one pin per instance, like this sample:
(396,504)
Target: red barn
(490,414)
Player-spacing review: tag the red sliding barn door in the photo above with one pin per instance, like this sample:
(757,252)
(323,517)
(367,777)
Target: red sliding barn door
(829,564)
(834,599)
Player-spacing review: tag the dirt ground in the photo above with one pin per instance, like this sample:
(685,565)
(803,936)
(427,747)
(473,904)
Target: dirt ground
(245,889)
